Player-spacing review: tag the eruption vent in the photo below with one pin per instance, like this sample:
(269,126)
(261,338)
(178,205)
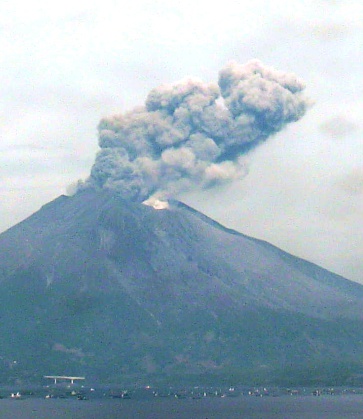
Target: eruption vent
(192,134)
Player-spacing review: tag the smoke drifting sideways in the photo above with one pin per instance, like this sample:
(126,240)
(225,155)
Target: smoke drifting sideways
(193,135)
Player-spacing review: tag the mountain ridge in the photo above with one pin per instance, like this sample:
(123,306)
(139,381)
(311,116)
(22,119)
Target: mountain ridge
(263,242)
(112,288)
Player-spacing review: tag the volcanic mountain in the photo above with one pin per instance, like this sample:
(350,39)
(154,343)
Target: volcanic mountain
(118,291)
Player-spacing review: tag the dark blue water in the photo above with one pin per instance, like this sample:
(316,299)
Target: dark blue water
(284,407)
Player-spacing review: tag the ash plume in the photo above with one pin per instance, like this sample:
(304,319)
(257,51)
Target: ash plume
(193,134)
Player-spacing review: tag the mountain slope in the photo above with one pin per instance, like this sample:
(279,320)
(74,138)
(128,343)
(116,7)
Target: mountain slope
(96,285)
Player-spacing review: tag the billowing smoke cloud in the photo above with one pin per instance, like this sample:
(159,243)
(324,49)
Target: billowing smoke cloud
(193,134)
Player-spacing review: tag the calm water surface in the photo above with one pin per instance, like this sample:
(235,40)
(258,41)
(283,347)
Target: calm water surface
(289,407)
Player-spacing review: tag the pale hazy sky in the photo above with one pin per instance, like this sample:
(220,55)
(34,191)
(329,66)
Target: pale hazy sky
(65,65)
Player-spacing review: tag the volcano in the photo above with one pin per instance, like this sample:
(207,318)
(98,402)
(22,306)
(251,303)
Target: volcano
(118,291)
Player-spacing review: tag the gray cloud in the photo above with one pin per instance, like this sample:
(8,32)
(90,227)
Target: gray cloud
(332,31)
(192,134)
(352,183)
(338,127)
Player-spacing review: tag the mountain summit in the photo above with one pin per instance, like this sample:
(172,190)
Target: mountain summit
(121,292)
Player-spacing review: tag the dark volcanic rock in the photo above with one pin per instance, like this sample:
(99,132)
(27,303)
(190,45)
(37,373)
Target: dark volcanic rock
(118,291)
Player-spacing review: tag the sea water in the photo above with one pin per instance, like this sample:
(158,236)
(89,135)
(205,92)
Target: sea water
(283,407)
